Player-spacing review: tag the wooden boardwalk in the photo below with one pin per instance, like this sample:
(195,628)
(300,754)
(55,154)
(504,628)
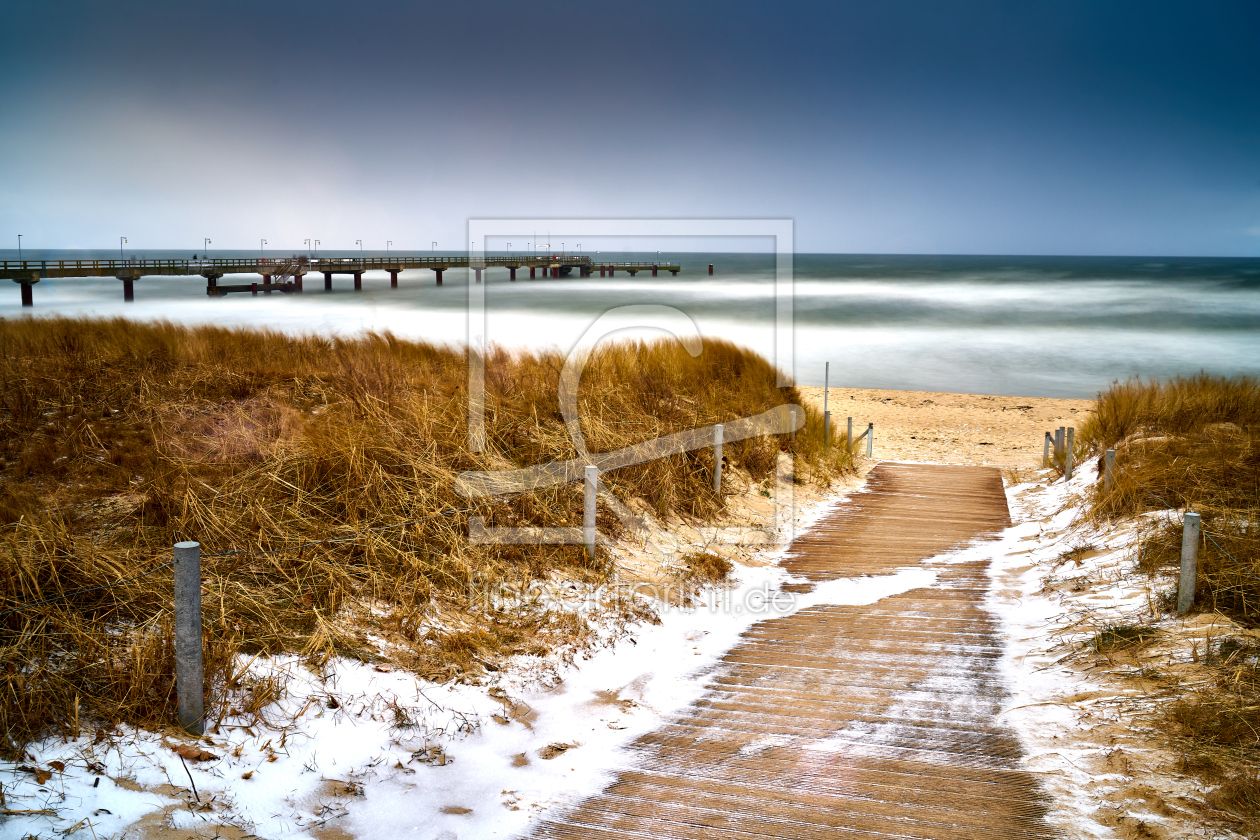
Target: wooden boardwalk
(875,721)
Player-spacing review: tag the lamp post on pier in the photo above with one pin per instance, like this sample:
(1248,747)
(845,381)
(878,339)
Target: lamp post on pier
(20,258)
(307,243)
(262,248)
(387,244)
(206,247)
(122,240)
(359,242)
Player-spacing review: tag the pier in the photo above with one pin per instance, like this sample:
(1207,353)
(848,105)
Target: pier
(285,274)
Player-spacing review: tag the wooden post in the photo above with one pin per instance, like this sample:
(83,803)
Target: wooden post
(1189,563)
(190,710)
(849,439)
(792,431)
(1068,454)
(870,440)
(1045,451)
(1058,445)
(717,459)
(588,509)
(1109,471)
(826,413)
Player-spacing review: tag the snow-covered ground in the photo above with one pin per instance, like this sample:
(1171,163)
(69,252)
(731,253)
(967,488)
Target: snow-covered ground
(366,751)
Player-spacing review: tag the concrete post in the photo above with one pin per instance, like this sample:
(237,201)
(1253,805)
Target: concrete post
(327,281)
(512,272)
(717,459)
(653,270)
(28,298)
(588,509)
(253,289)
(1068,454)
(1109,471)
(438,272)
(531,272)
(190,710)
(393,279)
(1189,563)
(297,283)
(849,440)
(870,440)
(358,281)
(792,431)
(129,290)
(477,271)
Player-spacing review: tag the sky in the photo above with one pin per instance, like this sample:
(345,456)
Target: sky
(899,126)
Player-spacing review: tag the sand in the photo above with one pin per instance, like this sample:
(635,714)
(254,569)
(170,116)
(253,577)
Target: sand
(939,428)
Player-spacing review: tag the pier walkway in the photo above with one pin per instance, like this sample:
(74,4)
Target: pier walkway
(853,722)
(284,274)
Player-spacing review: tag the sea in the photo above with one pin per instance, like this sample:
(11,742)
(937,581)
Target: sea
(1000,325)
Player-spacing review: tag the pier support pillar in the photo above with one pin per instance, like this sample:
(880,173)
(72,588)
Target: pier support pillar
(610,271)
(327,281)
(129,290)
(438,272)
(28,297)
(477,271)
(531,272)
(393,279)
(634,272)
(253,289)
(654,271)
(266,282)
(358,281)
(297,283)
(710,269)
(512,272)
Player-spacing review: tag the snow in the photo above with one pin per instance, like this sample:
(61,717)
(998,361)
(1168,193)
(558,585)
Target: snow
(395,755)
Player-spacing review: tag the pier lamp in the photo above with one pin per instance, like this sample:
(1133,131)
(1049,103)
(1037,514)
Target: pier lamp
(20,248)
(206,247)
(434,248)
(122,240)
(316,249)
(262,248)
(509,250)
(387,244)
(307,242)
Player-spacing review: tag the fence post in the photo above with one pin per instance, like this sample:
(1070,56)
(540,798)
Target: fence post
(717,459)
(870,440)
(849,440)
(826,413)
(588,510)
(827,428)
(1189,563)
(1058,444)
(1045,451)
(190,710)
(792,432)
(1109,471)
(1068,453)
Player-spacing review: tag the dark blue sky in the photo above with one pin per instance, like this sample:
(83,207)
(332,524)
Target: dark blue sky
(921,127)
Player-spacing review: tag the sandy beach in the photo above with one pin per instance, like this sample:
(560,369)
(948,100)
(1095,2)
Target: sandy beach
(941,428)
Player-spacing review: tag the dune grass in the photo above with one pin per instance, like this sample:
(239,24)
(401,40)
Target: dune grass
(1195,443)
(118,439)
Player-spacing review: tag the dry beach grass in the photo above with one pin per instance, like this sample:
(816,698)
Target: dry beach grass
(118,439)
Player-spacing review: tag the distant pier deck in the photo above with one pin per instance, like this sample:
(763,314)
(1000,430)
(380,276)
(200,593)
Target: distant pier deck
(285,274)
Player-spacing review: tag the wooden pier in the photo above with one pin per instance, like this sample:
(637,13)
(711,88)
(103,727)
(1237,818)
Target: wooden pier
(285,274)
